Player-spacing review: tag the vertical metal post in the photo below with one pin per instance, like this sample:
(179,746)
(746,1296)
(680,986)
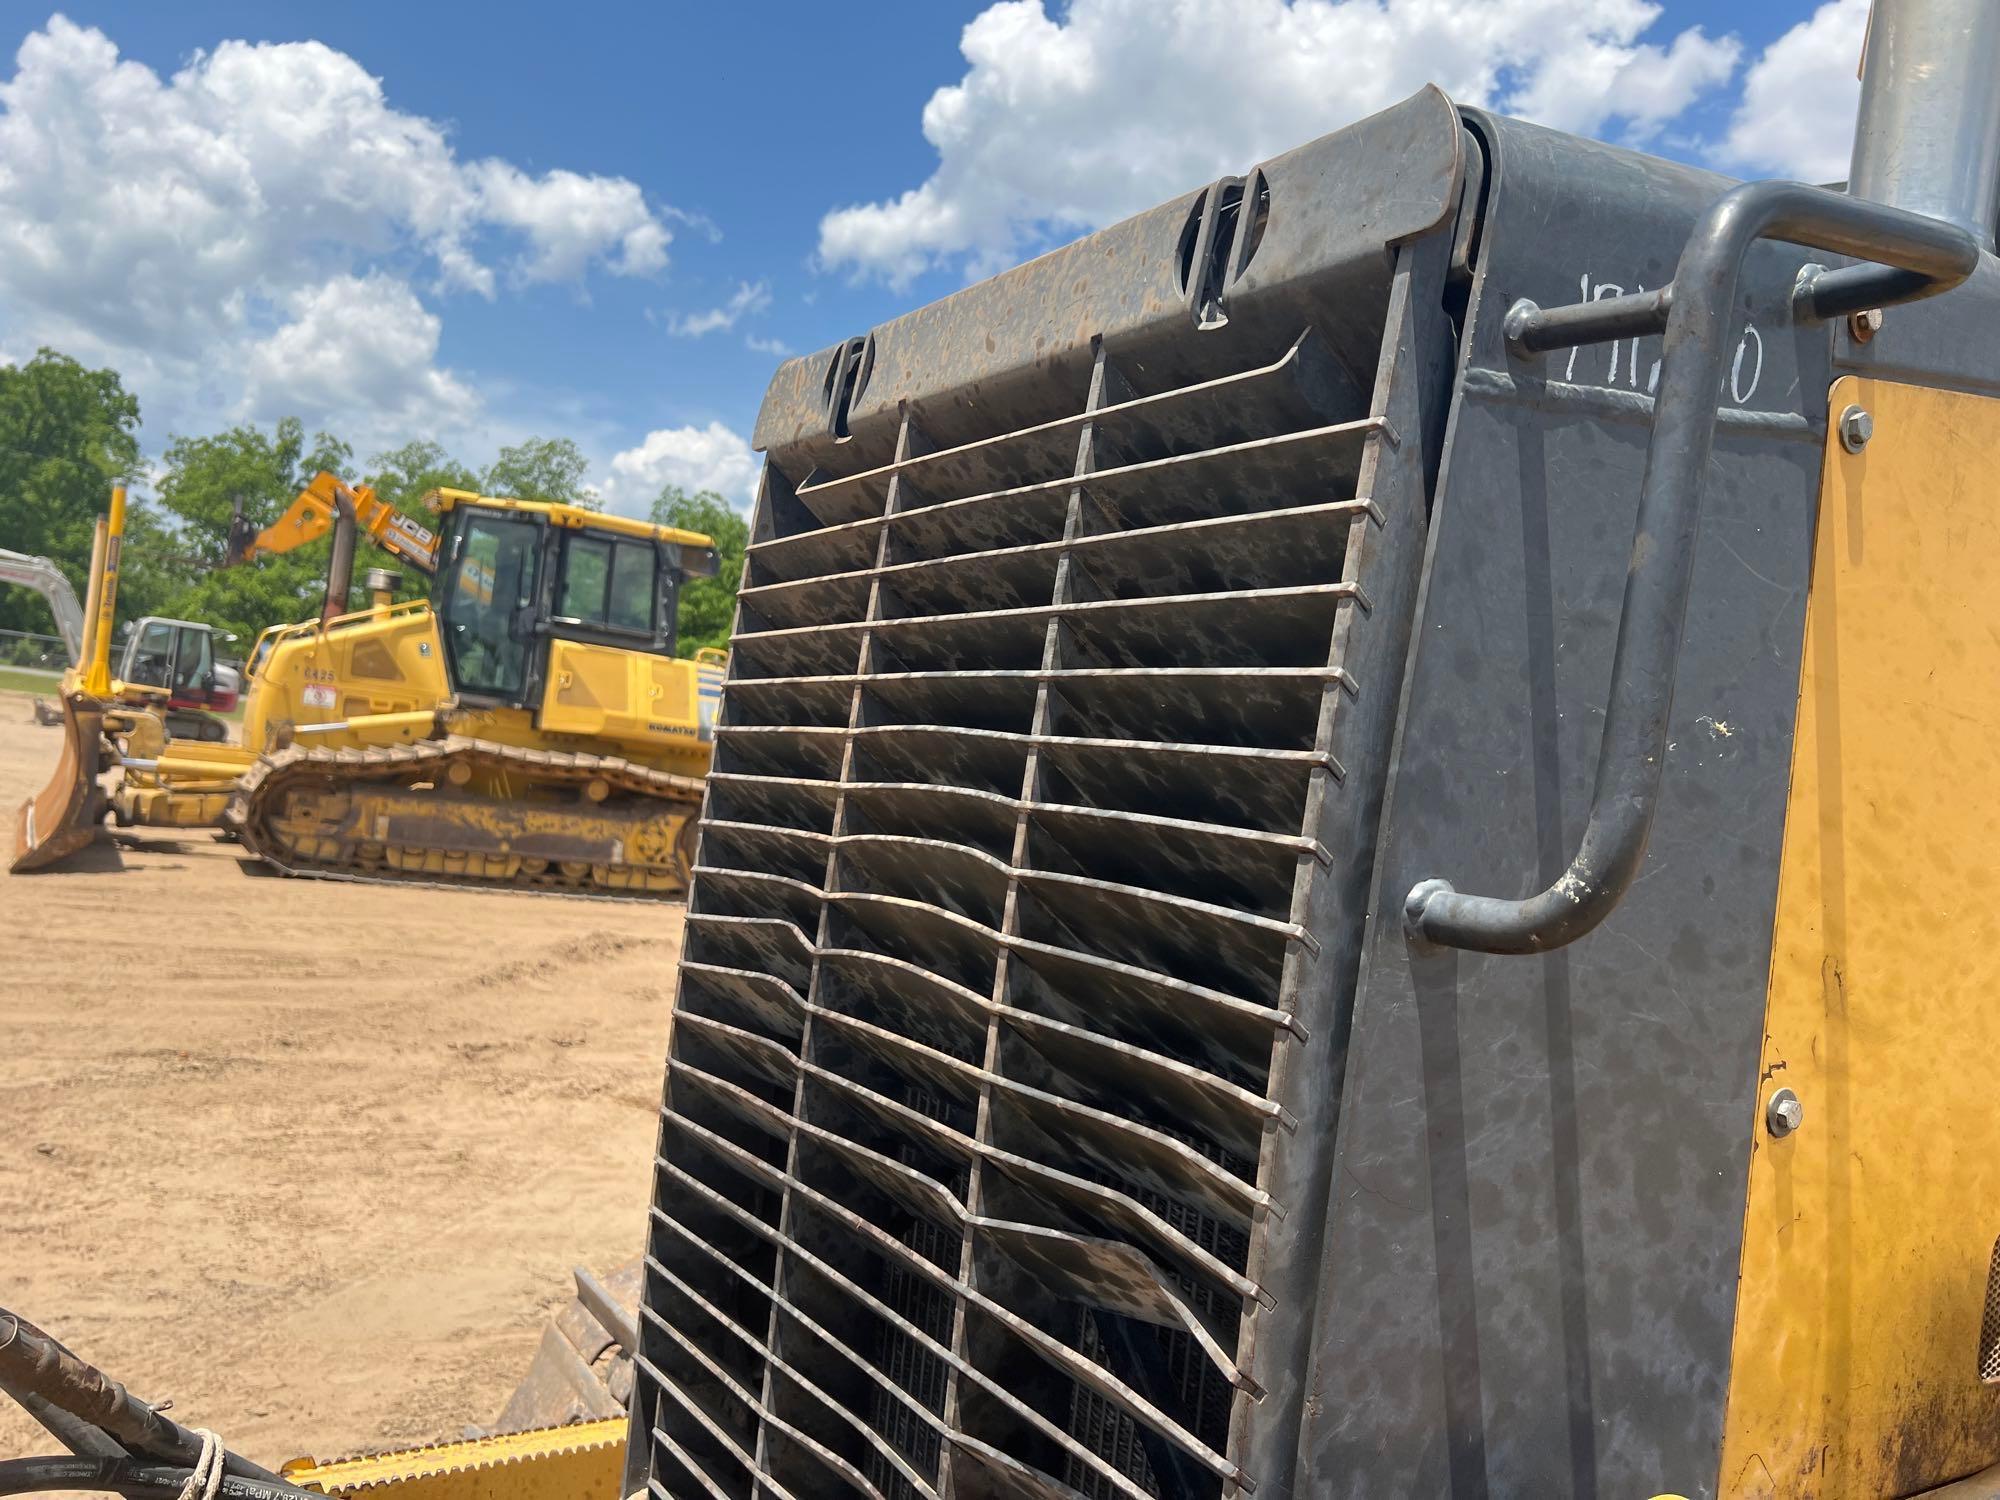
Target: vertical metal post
(97,677)
(1927,138)
(340,562)
(86,649)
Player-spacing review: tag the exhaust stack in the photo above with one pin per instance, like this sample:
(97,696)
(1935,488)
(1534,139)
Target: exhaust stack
(1927,137)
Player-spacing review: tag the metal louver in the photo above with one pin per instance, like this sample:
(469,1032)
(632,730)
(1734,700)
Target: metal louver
(983,1106)
(1989,1324)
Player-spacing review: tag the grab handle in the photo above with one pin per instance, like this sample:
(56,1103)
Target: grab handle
(1910,256)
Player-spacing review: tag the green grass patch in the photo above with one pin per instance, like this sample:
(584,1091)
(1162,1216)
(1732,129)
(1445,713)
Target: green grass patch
(21,680)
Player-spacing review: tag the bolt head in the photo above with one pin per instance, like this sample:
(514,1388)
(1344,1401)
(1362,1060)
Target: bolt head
(1783,1113)
(1856,428)
(1865,325)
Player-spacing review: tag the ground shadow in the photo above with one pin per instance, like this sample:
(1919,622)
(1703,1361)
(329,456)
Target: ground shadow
(100,856)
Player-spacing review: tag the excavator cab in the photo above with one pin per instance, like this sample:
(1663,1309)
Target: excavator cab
(518,577)
(176,658)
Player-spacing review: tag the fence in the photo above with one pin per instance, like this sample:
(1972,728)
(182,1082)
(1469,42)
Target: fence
(22,648)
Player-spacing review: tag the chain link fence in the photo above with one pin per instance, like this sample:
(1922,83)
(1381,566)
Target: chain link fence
(22,648)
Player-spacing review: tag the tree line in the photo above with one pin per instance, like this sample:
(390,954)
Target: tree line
(68,434)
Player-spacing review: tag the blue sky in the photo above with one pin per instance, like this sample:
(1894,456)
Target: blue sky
(714,142)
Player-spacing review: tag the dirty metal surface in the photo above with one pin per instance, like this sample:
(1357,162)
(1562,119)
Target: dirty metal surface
(65,815)
(582,1368)
(1000,345)
(1541,1161)
(1029,892)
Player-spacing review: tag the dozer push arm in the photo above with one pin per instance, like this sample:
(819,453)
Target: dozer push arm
(312,515)
(46,579)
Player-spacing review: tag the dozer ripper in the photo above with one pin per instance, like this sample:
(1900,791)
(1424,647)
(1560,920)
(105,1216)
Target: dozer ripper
(529,726)
(1354,839)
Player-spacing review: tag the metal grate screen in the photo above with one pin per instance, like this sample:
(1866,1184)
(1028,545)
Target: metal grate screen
(1989,1325)
(1001,898)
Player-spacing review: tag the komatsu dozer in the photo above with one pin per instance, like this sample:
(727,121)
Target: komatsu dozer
(529,726)
(1354,839)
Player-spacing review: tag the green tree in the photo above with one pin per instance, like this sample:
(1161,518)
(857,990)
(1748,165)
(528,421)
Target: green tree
(708,605)
(152,571)
(206,479)
(542,469)
(403,476)
(67,435)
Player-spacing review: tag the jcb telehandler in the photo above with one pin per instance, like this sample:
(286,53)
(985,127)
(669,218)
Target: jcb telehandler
(529,726)
(1354,851)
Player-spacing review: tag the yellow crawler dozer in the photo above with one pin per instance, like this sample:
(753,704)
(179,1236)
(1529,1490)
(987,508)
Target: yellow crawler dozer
(528,726)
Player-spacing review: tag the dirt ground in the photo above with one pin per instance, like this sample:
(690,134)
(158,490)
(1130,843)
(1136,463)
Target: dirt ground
(313,1159)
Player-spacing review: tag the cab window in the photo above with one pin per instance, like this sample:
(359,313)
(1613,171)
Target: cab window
(153,656)
(630,604)
(493,582)
(194,663)
(608,583)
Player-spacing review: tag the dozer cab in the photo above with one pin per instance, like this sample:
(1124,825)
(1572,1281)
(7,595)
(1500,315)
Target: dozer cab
(1352,851)
(530,725)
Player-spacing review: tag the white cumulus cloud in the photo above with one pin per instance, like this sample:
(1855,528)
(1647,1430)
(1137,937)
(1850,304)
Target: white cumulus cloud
(258,232)
(1797,114)
(747,300)
(571,220)
(1065,122)
(360,344)
(695,458)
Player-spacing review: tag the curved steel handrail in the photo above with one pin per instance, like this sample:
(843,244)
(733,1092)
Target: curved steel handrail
(1911,256)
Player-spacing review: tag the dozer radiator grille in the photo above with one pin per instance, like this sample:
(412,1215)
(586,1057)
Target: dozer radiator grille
(1001,907)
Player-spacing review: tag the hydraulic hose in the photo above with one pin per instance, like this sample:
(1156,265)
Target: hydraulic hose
(33,1363)
(142,1479)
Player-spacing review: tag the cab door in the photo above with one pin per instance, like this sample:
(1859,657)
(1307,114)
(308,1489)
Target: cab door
(149,658)
(488,605)
(193,681)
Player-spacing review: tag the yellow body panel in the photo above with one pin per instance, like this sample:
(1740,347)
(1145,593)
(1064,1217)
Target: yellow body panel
(178,806)
(624,696)
(382,661)
(580,1462)
(601,699)
(1868,1231)
(379,678)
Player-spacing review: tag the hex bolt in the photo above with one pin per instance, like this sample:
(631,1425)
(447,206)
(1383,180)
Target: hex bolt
(1783,1113)
(1865,325)
(1856,428)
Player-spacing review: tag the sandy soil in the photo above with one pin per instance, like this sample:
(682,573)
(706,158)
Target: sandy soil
(313,1159)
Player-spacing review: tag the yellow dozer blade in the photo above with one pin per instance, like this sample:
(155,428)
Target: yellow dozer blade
(64,816)
(579,1462)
